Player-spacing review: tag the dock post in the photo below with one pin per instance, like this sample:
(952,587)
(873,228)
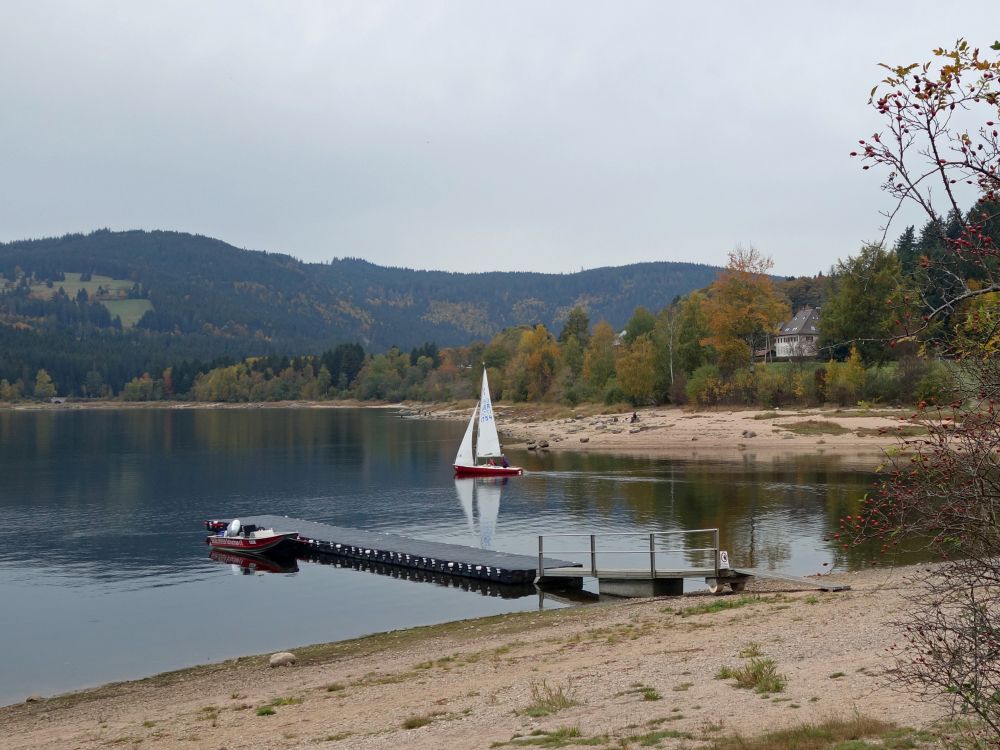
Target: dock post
(652,555)
(716,554)
(593,555)
(541,558)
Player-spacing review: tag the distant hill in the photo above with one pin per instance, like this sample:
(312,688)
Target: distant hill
(172,295)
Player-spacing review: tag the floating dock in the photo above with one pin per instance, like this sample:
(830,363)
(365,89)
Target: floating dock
(406,552)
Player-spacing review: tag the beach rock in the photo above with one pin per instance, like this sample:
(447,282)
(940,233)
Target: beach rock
(34,698)
(749,434)
(282,659)
(543,444)
(585,440)
(634,430)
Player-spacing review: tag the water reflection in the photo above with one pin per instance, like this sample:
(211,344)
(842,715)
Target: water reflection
(247,565)
(486,494)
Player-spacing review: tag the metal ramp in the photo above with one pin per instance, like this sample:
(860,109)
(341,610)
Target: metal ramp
(656,576)
(658,572)
(814,583)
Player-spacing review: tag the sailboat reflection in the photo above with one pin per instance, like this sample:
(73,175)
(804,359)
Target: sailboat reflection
(486,493)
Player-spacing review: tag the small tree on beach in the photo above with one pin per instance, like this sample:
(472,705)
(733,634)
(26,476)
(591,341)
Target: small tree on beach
(939,145)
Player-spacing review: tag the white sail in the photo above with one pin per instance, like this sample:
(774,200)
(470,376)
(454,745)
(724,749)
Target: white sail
(465,488)
(488,505)
(465,457)
(488,443)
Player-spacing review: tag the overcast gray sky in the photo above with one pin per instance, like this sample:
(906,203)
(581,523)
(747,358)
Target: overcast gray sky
(459,135)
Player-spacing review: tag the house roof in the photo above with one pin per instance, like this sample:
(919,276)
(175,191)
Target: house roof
(805,322)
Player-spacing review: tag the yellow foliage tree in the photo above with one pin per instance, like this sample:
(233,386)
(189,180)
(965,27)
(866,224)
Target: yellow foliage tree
(743,305)
(636,371)
(599,359)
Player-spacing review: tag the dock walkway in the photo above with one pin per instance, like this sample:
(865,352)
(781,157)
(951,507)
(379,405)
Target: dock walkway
(406,552)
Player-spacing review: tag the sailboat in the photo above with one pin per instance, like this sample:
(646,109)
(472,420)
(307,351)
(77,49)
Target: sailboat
(485,458)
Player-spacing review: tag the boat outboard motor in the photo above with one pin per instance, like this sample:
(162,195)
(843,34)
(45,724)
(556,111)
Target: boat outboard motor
(234,528)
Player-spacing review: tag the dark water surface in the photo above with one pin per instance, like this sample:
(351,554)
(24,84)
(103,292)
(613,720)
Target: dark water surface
(104,574)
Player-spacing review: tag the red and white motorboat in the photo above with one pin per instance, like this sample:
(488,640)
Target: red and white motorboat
(485,459)
(247,540)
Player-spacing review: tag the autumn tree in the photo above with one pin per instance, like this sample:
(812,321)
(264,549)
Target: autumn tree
(44,387)
(599,359)
(743,307)
(636,371)
(577,325)
(641,323)
(692,333)
(939,145)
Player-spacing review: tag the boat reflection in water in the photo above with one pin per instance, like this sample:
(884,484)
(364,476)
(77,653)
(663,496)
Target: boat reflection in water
(486,495)
(251,564)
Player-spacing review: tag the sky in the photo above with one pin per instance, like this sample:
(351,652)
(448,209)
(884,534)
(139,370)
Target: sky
(464,136)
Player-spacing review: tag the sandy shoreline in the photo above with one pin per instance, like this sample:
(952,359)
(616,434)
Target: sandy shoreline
(857,435)
(474,682)
(862,434)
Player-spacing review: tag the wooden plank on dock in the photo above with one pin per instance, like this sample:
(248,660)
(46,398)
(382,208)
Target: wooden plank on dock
(420,554)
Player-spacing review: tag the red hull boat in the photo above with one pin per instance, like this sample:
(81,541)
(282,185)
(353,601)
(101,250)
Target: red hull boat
(247,540)
(487,471)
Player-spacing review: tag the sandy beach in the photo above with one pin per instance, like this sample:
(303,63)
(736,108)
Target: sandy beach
(640,673)
(864,434)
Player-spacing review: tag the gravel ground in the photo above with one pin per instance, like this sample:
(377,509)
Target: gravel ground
(473,683)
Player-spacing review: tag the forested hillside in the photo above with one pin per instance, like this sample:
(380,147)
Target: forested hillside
(109,306)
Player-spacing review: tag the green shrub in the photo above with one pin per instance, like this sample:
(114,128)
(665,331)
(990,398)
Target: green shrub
(704,385)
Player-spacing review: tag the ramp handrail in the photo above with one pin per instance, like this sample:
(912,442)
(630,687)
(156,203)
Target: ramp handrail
(653,536)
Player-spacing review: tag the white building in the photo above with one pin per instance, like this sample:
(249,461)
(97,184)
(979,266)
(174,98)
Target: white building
(799,336)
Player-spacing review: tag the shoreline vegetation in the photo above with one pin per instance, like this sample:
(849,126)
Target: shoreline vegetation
(680,672)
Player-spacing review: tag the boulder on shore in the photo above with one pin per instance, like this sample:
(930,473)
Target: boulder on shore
(282,659)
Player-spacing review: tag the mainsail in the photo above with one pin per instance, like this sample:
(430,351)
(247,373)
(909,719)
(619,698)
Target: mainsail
(465,457)
(488,443)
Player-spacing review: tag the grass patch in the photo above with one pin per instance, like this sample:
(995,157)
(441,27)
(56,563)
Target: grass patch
(562,737)
(654,738)
(333,687)
(149,724)
(548,699)
(719,604)
(286,702)
(129,310)
(837,675)
(265,711)
(415,722)
(815,427)
(833,734)
(759,673)
(910,430)
(682,687)
(647,693)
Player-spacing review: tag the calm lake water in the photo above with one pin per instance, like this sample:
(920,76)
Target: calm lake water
(104,574)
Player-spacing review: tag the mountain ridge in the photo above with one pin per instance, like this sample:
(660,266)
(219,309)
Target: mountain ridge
(114,305)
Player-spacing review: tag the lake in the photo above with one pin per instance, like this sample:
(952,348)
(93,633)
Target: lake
(104,574)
